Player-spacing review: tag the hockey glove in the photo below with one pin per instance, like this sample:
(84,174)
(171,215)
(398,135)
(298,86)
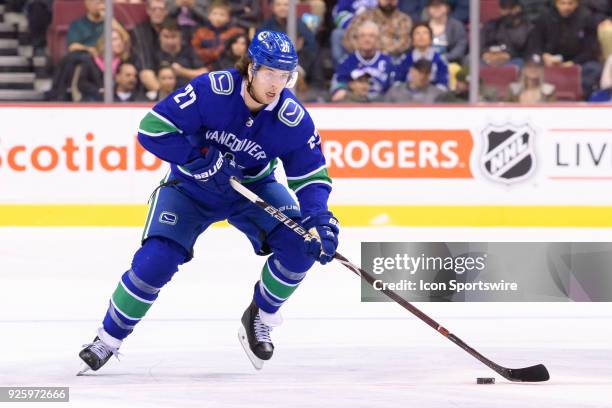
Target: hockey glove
(325,227)
(213,171)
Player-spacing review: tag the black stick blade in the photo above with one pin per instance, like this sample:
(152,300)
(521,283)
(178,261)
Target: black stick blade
(536,373)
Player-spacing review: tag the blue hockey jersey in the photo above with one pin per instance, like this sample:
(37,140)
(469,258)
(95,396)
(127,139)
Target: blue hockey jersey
(210,111)
(379,68)
(439,67)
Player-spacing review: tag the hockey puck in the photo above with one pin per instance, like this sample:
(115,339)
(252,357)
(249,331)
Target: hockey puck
(485,380)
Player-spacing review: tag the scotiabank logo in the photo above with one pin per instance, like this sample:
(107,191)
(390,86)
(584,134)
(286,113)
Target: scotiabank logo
(398,153)
(78,155)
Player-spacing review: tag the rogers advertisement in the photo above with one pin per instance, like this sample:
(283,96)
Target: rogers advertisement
(398,153)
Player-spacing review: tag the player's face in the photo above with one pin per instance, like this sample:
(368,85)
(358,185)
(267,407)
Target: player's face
(268,83)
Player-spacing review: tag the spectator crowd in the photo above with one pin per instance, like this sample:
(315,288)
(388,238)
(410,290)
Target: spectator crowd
(349,51)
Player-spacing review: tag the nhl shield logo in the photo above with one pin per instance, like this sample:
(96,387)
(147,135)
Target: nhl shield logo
(508,155)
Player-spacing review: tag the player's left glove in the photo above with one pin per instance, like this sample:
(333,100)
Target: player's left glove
(213,171)
(325,227)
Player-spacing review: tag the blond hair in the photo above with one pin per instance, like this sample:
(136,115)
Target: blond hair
(125,37)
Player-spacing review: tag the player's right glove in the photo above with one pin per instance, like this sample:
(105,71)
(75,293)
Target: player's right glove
(326,228)
(213,171)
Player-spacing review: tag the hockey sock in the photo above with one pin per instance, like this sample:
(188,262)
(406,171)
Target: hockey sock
(153,266)
(128,304)
(277,283)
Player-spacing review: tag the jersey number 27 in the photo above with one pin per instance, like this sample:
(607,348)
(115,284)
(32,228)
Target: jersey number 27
(188,92)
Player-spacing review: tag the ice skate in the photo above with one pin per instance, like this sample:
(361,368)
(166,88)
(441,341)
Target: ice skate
(254,334)
(97,353)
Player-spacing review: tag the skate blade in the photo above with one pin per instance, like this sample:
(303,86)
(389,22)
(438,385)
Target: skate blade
(84,369)
(256,361)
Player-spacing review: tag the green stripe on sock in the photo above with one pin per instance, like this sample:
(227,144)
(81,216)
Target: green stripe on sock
(152,124)
(320,175)
(128,304)
(277,288)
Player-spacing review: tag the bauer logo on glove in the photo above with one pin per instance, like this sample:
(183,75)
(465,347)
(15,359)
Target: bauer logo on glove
(213,171)
(208,173)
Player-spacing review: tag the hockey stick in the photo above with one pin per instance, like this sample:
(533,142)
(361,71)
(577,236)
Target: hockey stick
(534,373)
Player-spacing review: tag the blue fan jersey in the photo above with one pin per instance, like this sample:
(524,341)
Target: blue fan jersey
(210,111)
(439,66)
(379,68)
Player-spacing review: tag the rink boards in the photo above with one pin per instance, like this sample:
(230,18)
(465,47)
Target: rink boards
(71,165)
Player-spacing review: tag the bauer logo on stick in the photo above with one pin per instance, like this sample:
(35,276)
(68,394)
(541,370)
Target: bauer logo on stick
(508,154)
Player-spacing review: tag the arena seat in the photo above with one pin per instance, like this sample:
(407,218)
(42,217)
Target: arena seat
(567,82)
(489,10)
(130,14)
(499,77)
(64,12)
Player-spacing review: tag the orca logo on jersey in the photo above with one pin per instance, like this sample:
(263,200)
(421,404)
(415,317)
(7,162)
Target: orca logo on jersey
(291,113)
(169,218)
(221,82)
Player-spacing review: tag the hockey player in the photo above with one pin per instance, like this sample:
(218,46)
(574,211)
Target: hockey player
(238,122)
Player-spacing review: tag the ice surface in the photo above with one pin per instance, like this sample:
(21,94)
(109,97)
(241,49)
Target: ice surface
(332,351)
